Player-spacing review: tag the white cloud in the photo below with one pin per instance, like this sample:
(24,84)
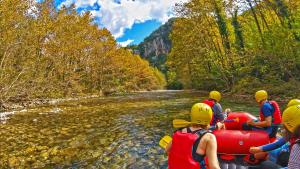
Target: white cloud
(126,43)
(121,15)
(32,10)
(79,3)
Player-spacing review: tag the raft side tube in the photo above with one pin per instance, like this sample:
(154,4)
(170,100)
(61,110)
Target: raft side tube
(238,141)
(242,117)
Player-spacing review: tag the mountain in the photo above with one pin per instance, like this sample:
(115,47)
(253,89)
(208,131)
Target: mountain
(156,46)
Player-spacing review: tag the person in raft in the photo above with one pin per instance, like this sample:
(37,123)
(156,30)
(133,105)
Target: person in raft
(270,115)
(194,147)
(278,152)
(291,123)
(213,101)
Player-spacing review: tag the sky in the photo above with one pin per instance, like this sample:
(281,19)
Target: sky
(129,21)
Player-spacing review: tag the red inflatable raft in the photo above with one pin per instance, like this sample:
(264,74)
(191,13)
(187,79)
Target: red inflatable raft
(238,119)
(235,141)
(238,142)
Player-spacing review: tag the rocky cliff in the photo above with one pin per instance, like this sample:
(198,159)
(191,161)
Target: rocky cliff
(156,46)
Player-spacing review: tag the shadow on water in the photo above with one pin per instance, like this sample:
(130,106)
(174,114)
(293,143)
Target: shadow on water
(112,132)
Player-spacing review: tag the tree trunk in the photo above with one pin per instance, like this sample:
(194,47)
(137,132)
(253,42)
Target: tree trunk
(256,21)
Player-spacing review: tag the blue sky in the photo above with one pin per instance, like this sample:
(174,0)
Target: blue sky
(129,21)
(139,31)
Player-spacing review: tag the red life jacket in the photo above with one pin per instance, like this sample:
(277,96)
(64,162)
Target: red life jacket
(182,149)
(211,103)
(293,141)
(276,114)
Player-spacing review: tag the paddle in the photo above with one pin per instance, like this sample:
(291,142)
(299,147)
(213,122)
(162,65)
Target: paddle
(232,120)
(179,123)
(165,141)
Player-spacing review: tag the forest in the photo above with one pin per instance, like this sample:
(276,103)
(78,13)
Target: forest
(51,53)
(234,46)
(237,46)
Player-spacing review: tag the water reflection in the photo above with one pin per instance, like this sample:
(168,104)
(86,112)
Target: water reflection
(4,116)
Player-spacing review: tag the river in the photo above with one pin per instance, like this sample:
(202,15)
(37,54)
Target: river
(112,132)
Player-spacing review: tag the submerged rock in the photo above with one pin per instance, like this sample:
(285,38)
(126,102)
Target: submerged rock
(116,132)
(13,162)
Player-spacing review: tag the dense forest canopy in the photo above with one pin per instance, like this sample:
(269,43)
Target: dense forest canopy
(237,45)
(229,45)
(46,52)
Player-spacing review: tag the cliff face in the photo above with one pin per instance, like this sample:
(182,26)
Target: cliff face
(156,46)
(158,42)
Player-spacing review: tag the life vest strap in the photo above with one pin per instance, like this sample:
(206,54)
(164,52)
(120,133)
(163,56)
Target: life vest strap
(188,130)
(197,157)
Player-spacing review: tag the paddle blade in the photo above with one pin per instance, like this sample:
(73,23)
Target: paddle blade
(178,123)
(165,141)
(232,120)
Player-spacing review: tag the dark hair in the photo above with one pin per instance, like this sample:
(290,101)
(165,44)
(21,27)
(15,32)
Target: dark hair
(288,135)
(297,132)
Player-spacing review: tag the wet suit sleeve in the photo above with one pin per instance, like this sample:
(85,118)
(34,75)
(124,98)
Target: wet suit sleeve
(274,145)
(217,108)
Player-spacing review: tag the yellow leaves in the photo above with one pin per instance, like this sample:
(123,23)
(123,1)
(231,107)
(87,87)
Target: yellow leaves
(134,73)
(62,53)
(211,46)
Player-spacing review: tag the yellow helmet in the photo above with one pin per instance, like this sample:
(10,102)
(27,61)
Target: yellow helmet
(293,102)
(261,95)
(215,95)
(201,114)
(291,118)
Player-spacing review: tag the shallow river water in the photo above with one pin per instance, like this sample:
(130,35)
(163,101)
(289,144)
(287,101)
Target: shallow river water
(112,132)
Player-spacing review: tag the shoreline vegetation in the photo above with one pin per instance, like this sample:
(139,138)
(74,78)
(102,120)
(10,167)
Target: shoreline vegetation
(239,47)
(51,53)
(19,106)
(41,58)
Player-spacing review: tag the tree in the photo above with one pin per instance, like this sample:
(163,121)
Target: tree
(42,57)
(266,47)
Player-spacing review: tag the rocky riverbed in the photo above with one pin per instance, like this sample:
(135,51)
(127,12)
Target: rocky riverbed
(111,132)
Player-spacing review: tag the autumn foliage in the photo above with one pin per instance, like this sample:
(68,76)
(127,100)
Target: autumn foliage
(46,52)
(237,45)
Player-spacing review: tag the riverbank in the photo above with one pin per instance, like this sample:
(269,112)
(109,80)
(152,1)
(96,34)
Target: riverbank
(21,104)
(30,103)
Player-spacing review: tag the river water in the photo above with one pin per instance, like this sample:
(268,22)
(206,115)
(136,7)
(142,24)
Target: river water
(112,132)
